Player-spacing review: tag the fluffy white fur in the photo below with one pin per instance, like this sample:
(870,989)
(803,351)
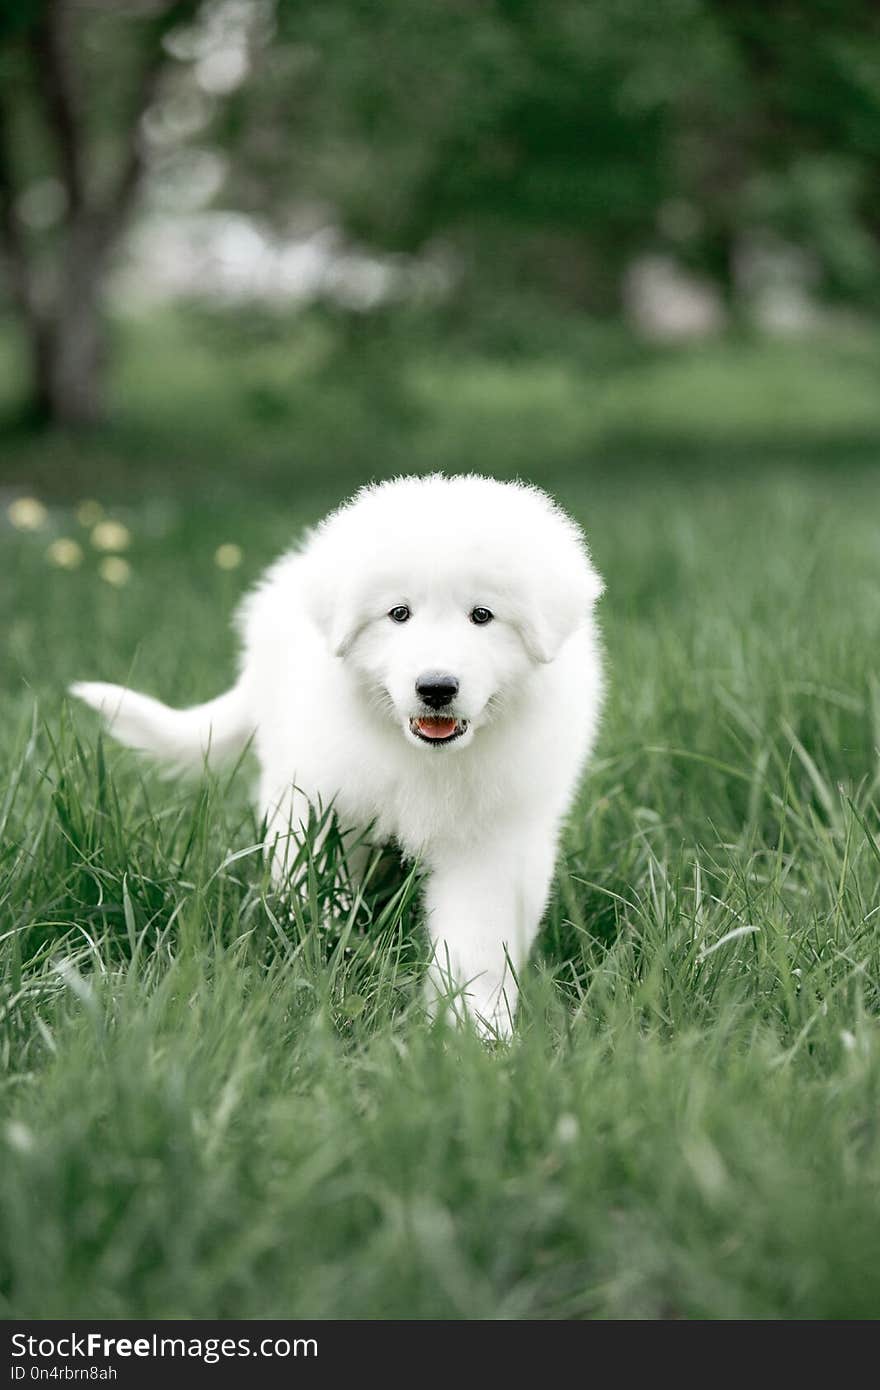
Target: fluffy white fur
(327,690)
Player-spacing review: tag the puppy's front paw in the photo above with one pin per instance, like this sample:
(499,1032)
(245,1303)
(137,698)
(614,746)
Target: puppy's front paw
(493,1015)
(488,1007)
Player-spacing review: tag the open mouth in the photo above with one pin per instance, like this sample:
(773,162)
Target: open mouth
(437,728)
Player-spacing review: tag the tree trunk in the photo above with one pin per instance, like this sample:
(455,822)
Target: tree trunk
(68,361)
(68,349)
(64,317)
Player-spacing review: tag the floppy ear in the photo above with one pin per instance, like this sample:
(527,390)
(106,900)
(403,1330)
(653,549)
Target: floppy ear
(333,607)
(335,611)
(346,622)
(557,608)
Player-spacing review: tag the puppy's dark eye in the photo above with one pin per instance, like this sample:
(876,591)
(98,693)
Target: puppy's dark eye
(400,614)
(481,616)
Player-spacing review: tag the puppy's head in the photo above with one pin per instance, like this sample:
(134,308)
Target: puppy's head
(444,596)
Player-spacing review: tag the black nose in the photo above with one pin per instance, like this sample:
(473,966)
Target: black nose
(436,689)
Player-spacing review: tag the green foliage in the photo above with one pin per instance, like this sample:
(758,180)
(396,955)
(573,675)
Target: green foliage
(538,146)
(552,141)
(17,16)
(218,1106)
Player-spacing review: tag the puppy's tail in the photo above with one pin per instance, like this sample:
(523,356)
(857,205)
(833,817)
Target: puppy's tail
(183,739)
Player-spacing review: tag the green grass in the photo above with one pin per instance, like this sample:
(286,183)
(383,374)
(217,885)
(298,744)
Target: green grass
(213,1108)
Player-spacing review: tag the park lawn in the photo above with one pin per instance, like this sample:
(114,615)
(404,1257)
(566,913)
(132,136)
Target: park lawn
(212,1109)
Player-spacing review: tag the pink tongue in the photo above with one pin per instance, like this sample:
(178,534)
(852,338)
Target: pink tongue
(436,727)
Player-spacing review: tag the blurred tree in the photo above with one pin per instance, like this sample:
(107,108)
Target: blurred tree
(533,136)
(75,81)
(545,143)
(783,153)
(552,140)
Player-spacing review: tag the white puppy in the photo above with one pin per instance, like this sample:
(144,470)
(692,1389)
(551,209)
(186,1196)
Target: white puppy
(427,661)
